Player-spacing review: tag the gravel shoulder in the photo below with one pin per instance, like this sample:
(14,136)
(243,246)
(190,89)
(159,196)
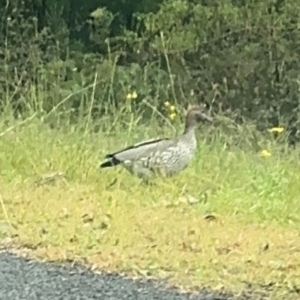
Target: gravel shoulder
(21,278)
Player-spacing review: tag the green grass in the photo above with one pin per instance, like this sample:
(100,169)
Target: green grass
(244,226)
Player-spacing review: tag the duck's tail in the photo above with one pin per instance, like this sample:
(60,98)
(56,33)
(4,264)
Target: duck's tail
(110,162)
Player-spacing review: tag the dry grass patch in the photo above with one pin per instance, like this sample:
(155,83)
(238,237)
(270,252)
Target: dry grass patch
(112,230)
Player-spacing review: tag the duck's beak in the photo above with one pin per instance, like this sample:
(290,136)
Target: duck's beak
(206,117)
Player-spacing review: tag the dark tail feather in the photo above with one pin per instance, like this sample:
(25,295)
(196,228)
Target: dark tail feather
(111,162)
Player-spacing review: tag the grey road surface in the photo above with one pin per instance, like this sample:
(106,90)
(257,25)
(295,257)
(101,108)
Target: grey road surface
(21,278)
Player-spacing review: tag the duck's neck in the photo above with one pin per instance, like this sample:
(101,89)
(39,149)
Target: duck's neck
(189,130)
(189,137)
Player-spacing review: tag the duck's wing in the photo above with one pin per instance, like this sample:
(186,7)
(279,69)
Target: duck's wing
(141,150)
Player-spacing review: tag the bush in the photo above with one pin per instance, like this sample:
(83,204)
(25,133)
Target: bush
(238,57)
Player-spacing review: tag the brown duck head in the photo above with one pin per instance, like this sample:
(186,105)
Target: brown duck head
(194,116)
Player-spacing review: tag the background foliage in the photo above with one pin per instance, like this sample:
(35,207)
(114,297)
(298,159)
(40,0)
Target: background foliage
(240,57)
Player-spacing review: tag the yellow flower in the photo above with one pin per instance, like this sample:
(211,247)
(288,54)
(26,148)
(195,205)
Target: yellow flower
(265,153)
(167,104)
(172,116)
(276,129)
(172,108)
(134,95)
(131,96)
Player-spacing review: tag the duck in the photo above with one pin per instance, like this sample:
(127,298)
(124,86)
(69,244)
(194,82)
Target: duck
(162,156)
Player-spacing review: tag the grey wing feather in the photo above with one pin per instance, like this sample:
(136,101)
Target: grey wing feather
(143,149)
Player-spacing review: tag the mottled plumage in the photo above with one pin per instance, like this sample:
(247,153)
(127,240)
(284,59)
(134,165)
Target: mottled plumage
(165,157)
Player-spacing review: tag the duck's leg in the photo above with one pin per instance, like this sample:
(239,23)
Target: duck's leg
(148,183)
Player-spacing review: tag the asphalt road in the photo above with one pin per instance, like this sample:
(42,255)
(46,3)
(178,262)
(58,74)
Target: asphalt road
(21,278)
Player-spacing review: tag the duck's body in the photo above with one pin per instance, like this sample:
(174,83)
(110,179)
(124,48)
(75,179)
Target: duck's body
(164,157)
